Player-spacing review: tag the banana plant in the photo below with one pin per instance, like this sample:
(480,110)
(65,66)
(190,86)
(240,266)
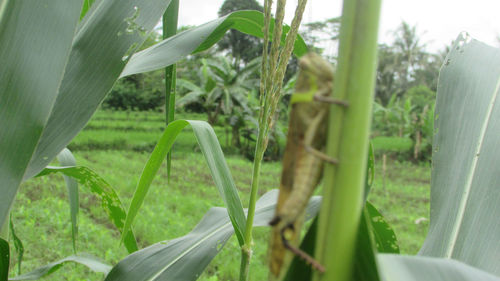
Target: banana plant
(221,88)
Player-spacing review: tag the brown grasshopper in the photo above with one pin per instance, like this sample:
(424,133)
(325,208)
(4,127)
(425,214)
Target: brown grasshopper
(302,160)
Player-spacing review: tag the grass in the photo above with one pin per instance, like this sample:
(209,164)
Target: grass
(41,212)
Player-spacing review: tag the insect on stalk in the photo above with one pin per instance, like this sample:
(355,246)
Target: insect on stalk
(303,160)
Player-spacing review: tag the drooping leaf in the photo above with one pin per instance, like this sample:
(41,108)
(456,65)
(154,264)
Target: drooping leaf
(93,263)
(66,158)
(186,257)
(4,260)
(110,201)
(417,268)
(18,245)
(201,38)
(212,152)
(465,197)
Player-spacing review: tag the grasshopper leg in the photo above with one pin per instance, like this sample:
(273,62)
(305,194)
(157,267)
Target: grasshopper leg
(298,252)
(320,98)
(321,155)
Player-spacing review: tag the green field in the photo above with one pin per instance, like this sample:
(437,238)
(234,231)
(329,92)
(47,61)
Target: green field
(116,145)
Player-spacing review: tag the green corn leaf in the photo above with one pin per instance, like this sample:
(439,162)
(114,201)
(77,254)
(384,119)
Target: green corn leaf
(18,245)
(4,260)
(365,263)
(186,257)
(465,195)
(86,6)
(201,38)
(110,201)
(170,20)
(93,263)
(25,72)
(383,234)
(212,152)
(51,86)
(417,268)
(66,158)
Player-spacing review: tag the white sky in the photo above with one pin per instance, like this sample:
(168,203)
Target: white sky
(438,21)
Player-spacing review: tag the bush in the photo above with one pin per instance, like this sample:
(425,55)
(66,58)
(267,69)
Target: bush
(137,92)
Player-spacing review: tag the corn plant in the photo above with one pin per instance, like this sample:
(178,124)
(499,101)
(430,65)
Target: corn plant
(47,96)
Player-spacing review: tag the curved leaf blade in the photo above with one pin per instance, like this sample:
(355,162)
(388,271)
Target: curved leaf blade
(110,201)
(214,156)
(201,38)
(417,268)
(66,158)
(186,257)
(24,72)
(110,31)
(89,261)
(464,193)
(18,245)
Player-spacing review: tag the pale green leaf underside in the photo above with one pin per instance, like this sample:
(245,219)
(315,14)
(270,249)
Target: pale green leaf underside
(418,268)
(201,38)
(89,261)
(465,194)
(186,257)
(27,89)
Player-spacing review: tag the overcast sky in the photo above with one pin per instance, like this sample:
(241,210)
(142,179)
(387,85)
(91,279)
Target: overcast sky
(438,21)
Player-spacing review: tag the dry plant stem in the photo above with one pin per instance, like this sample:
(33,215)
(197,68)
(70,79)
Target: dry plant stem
(273,69)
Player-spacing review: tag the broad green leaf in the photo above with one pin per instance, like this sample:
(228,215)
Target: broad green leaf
(18,245)
(186,257)
(66,158)
(465,197)
(4,260)
(201,38)
(29,80)
(110,31)
(419,268)
(212,152)
(55,74)
(110,201)
(89,261)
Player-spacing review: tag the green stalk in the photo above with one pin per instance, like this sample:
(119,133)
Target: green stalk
(170,19)
(271,80)
(246,249)
(348,140)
